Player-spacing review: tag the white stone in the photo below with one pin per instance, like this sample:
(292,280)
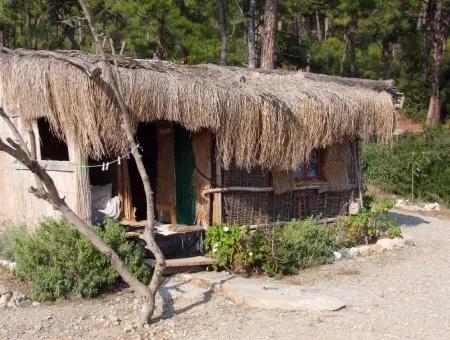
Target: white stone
(432,206)
(35,304)
(386,243)
(353,252)
(4,299)
(354,207)
(11,266)
(337,256)
(364,250)
(398,242)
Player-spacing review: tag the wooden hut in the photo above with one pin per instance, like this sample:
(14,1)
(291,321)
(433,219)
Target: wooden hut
(221,144)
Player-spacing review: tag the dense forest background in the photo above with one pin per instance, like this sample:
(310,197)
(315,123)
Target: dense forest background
(403,40)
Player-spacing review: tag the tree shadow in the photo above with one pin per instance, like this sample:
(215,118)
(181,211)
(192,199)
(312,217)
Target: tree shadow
(168,301)
(404,220)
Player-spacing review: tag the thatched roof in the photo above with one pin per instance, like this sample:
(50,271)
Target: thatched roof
(271,118)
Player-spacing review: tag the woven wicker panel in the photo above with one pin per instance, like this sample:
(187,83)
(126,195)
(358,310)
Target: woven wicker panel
(246,208)
(260,207)
(242,178)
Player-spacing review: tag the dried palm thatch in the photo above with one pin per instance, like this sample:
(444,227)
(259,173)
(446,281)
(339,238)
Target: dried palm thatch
(270,118)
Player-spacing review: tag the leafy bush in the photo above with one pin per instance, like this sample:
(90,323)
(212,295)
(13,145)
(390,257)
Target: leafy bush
(279,250)
(299,245)
(368,225)
(412,166)
(58,260)
(227,245)
(6,252)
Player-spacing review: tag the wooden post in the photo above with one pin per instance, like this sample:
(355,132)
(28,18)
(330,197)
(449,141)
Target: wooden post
(217,203)
(82,182)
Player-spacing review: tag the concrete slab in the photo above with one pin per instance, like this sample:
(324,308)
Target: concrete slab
(266,294)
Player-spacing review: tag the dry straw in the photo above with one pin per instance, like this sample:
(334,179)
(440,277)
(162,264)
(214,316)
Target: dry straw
(270,118)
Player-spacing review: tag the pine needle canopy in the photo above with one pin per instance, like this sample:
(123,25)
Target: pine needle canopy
(271,118)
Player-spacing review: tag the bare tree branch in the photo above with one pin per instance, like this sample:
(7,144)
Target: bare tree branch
(147,236)
(48,192)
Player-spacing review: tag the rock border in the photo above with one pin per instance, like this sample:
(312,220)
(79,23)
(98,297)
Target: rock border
(382,245)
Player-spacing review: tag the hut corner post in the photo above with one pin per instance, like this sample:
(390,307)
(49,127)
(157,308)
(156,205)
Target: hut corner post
(148,235)
(82,182)
(46,189)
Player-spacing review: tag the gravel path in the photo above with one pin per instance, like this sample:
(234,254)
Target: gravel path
(403,294)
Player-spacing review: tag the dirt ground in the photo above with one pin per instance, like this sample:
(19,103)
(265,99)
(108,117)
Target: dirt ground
(404,294)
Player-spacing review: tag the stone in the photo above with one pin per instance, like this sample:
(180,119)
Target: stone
(376,248)
(353,252)
(35,304)
(398,242)
(8,264)
(432,206)
(386,243)
(4,299)
(266,294)
(364,250)
(337,256)
(409,242)
(3,290)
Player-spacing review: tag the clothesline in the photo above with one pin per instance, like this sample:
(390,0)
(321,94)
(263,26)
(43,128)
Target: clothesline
(105,165)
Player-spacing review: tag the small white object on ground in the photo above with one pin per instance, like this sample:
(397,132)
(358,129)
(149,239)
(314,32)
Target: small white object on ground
(386,243)
(8,265)
(337,256)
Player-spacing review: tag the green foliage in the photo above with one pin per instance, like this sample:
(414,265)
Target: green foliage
(371,223)
(59,261)
(226,244)
(279,250)
(299,245)
(412,166)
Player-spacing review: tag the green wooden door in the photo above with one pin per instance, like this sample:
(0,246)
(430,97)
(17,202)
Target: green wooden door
(184,169)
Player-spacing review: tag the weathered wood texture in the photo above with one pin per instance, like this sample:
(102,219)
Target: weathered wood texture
(165,183)
(16,203)
(201,144)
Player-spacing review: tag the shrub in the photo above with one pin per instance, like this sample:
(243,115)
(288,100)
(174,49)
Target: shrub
(278,250)
(412,166)
(226,244)
(299,245)
(58,260)
(6,252)
(371,223)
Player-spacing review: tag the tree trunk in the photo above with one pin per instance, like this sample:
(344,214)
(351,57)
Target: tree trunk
(423,25)
(344,52)
(349,49)
(319,27)
(352,47)
(269,35)
(223,32)
(440,23)
(385,56)
(160,38)
(47,191)
(160,266)
(251,32)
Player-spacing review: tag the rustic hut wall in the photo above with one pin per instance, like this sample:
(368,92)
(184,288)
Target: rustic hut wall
(165,187)
(201,143)
(16,203)
(266,207)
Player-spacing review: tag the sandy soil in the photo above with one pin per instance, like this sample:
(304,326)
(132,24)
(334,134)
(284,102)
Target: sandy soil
(404,294)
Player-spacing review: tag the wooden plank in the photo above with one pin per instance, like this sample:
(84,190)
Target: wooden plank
(186,262)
